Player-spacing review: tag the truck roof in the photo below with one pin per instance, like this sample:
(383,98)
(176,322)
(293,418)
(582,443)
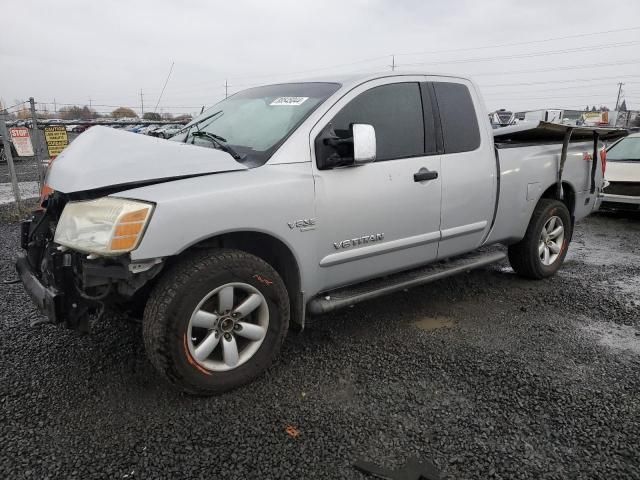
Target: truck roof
(357,78)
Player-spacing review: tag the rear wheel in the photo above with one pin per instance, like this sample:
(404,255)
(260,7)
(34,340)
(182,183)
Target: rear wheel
(542,250)
(216,321)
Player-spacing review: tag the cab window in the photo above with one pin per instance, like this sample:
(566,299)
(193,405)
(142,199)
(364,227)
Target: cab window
(395,111)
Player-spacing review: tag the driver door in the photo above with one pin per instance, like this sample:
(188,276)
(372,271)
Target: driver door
(378,218)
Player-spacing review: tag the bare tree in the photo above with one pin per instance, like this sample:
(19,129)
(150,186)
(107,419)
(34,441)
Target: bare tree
(124,112)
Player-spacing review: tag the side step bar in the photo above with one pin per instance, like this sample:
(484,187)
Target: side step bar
(347,296)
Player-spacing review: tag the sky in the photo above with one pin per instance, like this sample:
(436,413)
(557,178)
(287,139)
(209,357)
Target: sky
(524,55)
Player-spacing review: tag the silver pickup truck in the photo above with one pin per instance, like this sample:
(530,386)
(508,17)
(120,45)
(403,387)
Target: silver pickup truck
(295,199)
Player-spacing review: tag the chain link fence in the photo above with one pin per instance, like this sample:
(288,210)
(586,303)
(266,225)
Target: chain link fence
(21,176)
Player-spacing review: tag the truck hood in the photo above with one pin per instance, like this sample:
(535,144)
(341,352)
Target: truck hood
(105,157)
(623,172)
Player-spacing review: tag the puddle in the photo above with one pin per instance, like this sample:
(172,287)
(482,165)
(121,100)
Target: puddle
(433,323)
(616,337)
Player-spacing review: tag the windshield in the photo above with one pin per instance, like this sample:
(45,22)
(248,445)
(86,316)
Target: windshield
(255,122)
(627,149)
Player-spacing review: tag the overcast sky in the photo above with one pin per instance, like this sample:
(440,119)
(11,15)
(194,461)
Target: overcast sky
(76,50)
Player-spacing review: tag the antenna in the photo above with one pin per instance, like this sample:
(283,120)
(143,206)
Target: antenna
(164,86)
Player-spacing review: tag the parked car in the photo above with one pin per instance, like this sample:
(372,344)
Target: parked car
(147,129)
(167,131)
(295,199)
(623,175)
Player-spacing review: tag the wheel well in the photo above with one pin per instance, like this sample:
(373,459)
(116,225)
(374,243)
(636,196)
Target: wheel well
(275,253)
(568,197)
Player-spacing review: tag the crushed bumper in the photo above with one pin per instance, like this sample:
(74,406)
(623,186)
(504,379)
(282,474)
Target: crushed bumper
(48,300)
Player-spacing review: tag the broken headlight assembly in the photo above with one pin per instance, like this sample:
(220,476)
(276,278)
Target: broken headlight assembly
(106,226)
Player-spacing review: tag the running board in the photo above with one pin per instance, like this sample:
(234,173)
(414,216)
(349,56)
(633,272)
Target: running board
(347,296)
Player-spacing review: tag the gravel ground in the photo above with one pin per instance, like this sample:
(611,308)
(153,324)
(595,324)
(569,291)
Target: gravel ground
(487,375)
(26,170)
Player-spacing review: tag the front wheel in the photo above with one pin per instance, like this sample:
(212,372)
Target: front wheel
(216,321)
(542,250)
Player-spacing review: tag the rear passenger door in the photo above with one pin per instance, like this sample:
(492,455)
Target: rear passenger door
(468,168)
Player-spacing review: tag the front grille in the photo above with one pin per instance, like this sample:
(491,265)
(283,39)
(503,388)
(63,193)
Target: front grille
(631,189)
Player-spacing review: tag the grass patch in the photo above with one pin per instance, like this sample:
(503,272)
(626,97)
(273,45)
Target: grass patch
(9,213)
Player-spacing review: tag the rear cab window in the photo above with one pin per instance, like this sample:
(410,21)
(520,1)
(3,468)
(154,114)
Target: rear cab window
(460,130)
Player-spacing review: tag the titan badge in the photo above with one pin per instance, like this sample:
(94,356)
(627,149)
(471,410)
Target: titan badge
(356,242)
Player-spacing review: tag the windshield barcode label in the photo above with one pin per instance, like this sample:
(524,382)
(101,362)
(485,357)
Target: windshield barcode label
(292,101)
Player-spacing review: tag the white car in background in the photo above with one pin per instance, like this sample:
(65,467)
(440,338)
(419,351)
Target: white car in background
(623,175)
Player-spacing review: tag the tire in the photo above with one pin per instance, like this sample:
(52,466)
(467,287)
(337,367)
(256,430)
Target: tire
(527,257)
(172,335)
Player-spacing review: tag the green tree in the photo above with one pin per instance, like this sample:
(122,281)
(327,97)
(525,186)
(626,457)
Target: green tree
(124,112)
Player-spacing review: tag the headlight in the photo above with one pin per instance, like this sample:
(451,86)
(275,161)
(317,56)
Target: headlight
(107,226)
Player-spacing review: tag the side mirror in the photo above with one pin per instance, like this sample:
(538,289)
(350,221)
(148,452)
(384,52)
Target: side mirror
(364,143)
(343,148)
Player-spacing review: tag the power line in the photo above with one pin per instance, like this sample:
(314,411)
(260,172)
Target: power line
(525,55)
(570,87)
(513,44)
(382,57)
(554,69)
(558,81)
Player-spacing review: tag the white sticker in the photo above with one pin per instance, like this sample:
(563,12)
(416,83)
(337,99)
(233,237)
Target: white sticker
(292,101)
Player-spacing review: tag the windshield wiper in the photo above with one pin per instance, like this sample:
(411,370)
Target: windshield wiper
(219,141)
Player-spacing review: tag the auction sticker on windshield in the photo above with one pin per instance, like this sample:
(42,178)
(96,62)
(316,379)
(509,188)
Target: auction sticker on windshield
(288,101)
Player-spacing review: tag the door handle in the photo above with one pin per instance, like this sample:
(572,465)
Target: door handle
(423,175)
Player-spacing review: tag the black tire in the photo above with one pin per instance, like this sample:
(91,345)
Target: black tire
(175,297)
(524,257)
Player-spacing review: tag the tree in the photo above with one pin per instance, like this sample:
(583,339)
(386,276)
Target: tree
(183,118)
(623,106)
(604,108)
(123,112)
(76,112)
(152,116)
(167,116)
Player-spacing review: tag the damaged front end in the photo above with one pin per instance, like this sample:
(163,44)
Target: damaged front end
(73,288)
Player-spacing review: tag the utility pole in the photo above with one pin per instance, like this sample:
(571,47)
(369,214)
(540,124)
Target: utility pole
(141,104)
(89,102)
(55,108)
(619,93)
(36,139)
(393,63)
(226,88)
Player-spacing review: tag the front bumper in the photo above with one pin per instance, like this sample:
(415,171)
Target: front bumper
(632,200)
(48,300)
(620,202)
(72,288)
